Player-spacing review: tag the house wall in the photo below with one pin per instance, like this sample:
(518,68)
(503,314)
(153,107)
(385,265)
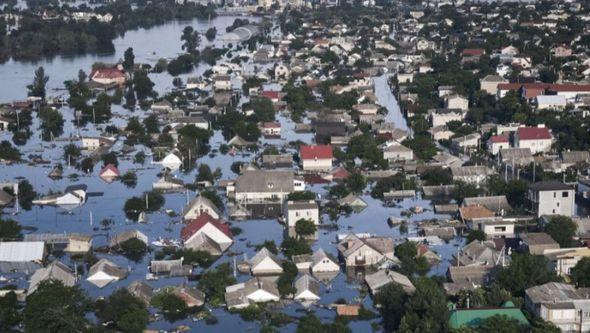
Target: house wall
(536,146)
(326,265)
(504,230)
(267,266)
(494,147)
(212,232)
(317,164)
(442,119)
(294,215)
(370,256)
(195,211)
(554,202)
(398,156)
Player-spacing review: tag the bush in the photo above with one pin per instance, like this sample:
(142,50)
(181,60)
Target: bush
(173,307)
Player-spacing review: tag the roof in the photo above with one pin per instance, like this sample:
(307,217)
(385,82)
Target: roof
(533,133)
(475,212)
(110,167)
(551,99)
(302,204)
(494,203)
(348,309)
(499,138)
(21,251)
(316,152)
(265,181)
(382,278)
(550,185)
(107,73)
(108,267)
(270,94)
(537,238)
(473,52)
(306,282)
(474,316)
(271,124)
(55,271)
(195,225)
(554,292)
(201,200)
(351,243)
(261,255)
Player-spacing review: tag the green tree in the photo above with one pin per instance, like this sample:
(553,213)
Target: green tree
(37,88)
(10,315)
(143,85)
(426,309)
(562,229)
(500,324)
(285,281)
(54,307)
(479,235)
(101,108)
(205,174)
(356,182)
(210,34)
(129,60)
(172,306)
(122,311)
(213,283)
(26,194)
(295,246)
(190,39)
(305,227)
(52,123)
(8,152)
(525,271)
(110,158)
(391,299)
(581,273)
(10,230)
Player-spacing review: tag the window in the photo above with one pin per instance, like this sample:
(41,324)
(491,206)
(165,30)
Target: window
(554,194)
(565,194)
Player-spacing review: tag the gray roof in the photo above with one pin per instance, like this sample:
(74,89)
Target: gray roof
(125,236)
(554,292)
(537,238)
(164,266)
(261,255)
(107,266)
(237,294)
(551,185)
(306,282)
(472,170)
(22,251)
(351,243)
(301,204)
(55,271)
(265,181)
(320,255)
(474,274)
(141,290)
(382,278)
(477,253)
(494,203)
(575,156)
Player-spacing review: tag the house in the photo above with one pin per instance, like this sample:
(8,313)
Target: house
(497,203)
(316,157)
(55,271)
(365,251)
(296,210)
(74,195)
(509,50)
(307,289)
(352,201)
(466,142)
(105,272)
(382,278)
(93,143)
(467,278)
(563,260)
(126,235)
(550,102)
(198,206)
(497,142)
(536,243)
(172,267)
(6,199)
(265,262)
(490,83)
(255,290)
(473,174)
(172,160)
(457,102)
(516,157)
(108,76)
(537,139)
(21,256)
(348,310)
(271,129)
(571,158)
(168,183)
(321,262)
(259,186)
(562,304)
(394,151)
(282,72)
(478,253)
(238,141)
(109,173)
(208,234)
(473,317)
(551,198)
(366,109)
(191,296)
(222,82)
(280,161)
(73,243)
(141,290)
(440,117)
(562,51)
(273,95)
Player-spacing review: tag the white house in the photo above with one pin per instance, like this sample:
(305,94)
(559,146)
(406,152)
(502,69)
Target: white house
(307,289)
(537,139)
(172,161)
(208,234)
(440,117)
(222,82)
(395,151)
(551,102)
(457,102)
(74,195)
(255,290)
(105,272)
(552,198)
(265,263)
(498,142)
(297,210)
(563,260)
(257,186)
(198,206)
(322,263)
(316,158)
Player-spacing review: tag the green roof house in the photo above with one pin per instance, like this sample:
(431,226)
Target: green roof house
(474,316)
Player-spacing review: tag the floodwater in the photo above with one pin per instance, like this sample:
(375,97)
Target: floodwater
(84,219)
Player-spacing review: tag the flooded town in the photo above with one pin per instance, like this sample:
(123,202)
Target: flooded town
(295,166)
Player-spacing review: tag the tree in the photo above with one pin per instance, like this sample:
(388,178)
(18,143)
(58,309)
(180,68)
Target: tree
(410,262)
(133,249)
(562,229)
(129,60)
(356,182)
(10,315)
(172,306)
(54,307)
(525,271)
(205,174)
(8,152)
(10,230)
(392,299)
(151,124)
(26,194)
(51,123)
(294,246)
(213,283)
(426,309)
(122,311)
(500,324)
(210,34)
(110,158)
(191,39)
(143,85)
(269,245)
(285,281)
(475,235)
(37,88)
(101,108)
(305,227)
(581,273)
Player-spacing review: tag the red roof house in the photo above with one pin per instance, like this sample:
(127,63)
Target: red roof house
(206,233)
(316,157)
(109,173)
(272,95)
(108,75)
(537,139)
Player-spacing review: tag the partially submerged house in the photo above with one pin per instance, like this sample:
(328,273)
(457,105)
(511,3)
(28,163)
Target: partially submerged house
(208,234)
(104,272)
(255,290)
(365,251)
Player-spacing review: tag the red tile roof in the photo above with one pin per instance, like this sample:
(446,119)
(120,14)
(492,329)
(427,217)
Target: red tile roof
(316,152)
(106,73)
(272,125)
(499,138)
(195,225)
(473,52)
(109,167)
(533,133)
(270,94)
(340,173)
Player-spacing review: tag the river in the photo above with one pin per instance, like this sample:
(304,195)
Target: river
(148,46)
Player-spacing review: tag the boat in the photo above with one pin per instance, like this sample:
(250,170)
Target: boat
(142,218)
(166,242)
